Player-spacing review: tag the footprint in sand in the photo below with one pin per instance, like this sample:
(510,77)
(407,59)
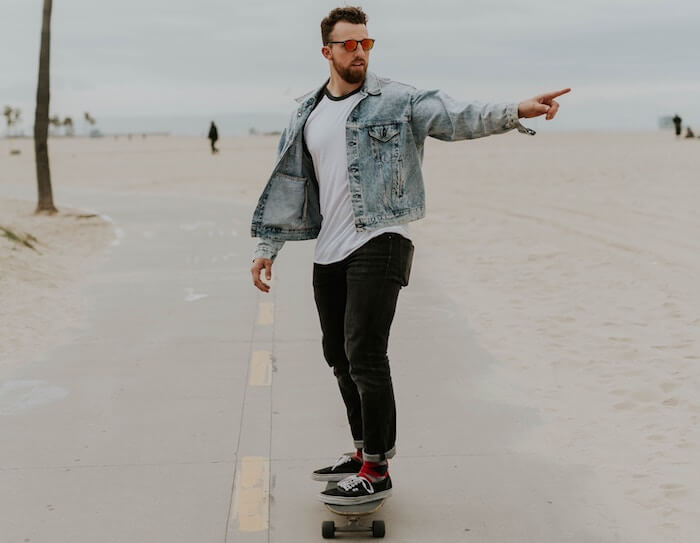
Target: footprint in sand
(619,392)
(672,490)
(668,386)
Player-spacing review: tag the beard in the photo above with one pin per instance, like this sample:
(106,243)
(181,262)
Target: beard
(351,74)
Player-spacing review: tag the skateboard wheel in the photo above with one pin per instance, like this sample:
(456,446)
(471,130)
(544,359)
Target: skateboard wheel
(328,529)
(378,528)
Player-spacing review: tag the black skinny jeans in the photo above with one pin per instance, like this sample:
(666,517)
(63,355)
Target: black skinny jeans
(356,300)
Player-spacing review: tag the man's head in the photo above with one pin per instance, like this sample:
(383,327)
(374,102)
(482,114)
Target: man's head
(342,24)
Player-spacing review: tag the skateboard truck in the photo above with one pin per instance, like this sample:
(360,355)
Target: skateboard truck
(353,519)
(353,525)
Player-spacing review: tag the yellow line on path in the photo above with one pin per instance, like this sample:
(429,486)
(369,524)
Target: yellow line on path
(250,505)
(266,313)
(260,374)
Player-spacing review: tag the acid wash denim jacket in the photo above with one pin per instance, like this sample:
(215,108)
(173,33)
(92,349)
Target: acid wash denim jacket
(384,135)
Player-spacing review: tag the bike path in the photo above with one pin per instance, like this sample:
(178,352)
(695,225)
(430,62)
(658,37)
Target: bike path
(187,406)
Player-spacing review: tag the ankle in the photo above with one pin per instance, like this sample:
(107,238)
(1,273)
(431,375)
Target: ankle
(374,471)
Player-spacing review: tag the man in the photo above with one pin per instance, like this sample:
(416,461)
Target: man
(213,138)
(348,172)
(677,124)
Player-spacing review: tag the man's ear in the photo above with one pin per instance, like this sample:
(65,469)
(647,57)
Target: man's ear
(326,52)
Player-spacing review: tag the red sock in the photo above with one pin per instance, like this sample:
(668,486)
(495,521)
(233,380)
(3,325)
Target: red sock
(358,455)
(374,471)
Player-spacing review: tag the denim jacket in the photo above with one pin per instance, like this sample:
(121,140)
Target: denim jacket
(384,135)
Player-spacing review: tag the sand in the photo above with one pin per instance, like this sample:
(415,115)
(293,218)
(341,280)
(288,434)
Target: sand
(573,257)
(39,284)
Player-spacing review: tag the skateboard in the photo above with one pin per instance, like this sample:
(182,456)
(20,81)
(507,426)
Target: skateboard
(353,515)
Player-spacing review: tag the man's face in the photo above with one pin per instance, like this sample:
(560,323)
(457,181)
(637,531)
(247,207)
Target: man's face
(350,65)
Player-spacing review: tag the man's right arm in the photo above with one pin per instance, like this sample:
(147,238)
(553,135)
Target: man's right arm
(266,250)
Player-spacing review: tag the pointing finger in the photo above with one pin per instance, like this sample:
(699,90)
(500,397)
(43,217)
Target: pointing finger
(551,95)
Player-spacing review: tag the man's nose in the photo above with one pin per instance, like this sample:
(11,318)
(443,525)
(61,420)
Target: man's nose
(360,52)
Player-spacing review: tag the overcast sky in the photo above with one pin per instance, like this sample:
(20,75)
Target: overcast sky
(628,61)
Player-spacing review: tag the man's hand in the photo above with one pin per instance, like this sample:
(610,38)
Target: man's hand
(258,265)
(540,105)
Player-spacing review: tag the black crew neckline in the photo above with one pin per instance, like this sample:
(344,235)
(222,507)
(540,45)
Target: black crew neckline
(339,98)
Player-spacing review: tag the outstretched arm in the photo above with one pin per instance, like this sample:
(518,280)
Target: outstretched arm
(435,114)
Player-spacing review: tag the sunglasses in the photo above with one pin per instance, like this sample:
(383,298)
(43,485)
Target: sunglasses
(351,45)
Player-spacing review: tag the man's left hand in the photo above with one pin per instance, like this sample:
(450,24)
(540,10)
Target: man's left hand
(540,105)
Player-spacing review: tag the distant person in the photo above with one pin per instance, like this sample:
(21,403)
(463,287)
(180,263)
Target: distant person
(677,124)
(213,138)
(689,132)
(348,172)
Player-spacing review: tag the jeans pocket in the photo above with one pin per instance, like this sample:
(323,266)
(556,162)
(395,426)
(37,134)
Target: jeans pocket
(407,250)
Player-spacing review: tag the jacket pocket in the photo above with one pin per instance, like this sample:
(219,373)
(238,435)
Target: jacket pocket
(286,201)
(383,133)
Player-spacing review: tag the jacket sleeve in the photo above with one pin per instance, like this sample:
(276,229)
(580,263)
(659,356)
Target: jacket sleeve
(435,114)
(280,144)
(267,248)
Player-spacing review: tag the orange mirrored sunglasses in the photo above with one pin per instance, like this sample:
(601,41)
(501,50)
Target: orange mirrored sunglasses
(351,45)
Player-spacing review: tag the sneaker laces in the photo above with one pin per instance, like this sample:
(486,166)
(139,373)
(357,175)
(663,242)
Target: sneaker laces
(351,482)
(342,460)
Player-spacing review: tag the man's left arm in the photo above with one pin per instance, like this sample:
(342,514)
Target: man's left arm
(435,114)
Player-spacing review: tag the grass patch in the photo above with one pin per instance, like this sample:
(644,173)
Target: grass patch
(27,240)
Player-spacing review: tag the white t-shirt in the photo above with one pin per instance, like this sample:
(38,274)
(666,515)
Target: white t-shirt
(324,134)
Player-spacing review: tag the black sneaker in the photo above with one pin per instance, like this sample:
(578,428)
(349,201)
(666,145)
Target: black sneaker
(355,489)
(346,465)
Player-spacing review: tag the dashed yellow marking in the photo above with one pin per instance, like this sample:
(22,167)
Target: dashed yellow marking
(266,313)
(260,369)
(251,502)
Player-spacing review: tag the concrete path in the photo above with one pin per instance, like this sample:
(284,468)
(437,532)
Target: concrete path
(188,407)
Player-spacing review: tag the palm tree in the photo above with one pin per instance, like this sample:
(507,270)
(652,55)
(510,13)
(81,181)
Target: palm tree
(12,116)
(56,123)
(17,114)
(8,112)
(90,120)
(68,129)
(41,118)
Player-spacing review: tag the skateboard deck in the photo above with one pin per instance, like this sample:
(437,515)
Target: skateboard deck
(353,513)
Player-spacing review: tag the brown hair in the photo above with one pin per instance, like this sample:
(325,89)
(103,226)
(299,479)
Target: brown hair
(351,14)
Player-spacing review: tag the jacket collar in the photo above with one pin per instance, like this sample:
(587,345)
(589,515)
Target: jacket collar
(371,86)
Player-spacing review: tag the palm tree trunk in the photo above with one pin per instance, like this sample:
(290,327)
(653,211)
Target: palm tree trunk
(41,118)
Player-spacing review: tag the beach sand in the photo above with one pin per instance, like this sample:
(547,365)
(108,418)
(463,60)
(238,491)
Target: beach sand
(39,284)
(573,257)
